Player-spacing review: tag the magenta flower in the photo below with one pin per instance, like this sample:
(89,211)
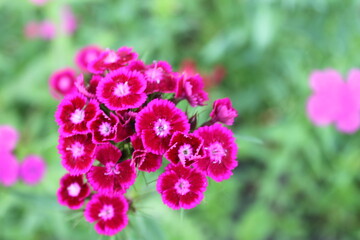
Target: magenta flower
(68,20)
(9,168)
(72,191)
(112,60)
(62,82)
(112,177)
(109,213)
(220,152)
(87,89)
(184,148)
(32,169)
(335,101)
(104,127)
(87,55)
(47,30)
(223,112)
(143,160)
(122,89)
(191,88)
(77,153)
(74,114)
(8,138)
(157,122)
(181,187)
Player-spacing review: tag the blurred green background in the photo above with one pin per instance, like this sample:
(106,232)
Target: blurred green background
(294,180)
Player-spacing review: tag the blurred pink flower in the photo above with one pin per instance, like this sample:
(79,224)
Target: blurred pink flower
(8,138)
(9,168)
(39,2)
(335,101)
(31,30)
(32,169)
(47,30)
(68,20)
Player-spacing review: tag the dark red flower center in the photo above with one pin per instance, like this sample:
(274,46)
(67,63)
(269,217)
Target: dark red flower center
(216,152)
(182,186)
(162,127)
(107,212)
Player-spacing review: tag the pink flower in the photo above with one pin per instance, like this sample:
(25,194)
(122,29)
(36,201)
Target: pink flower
(8,138)
(109,213)
(159,76)
(88,90)
(220,152)
(104,127)
(9,168)
(122,89)
(31,30)
(72,191)
(223,111)
(157,122)
(68,20)
(39,2)
(184,148)
(181,187)
(62,82)
(77,153)
(87,55)
(75,113)
(32,169)
(111,60)
(112,177)
(47,30)
(335,101)
(143,160)
(192,89)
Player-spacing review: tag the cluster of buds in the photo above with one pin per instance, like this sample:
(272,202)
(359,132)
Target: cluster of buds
(118,118)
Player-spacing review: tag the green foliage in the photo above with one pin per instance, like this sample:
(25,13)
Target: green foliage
(294,180)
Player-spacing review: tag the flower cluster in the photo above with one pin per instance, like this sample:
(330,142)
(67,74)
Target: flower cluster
(121,118)
(335,101)
(31,170)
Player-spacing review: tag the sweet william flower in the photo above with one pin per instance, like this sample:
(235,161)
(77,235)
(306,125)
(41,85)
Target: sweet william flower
(87,89)
(9,168)
(104,127)
(62,83)
(74,114)
(109,213)
(77,153)
(8,138)
(220,152)
(223,112)
(185,148)
(191,88)
(73,191)
(143,160)
(157,122)
(32,169)
(122,89)
(181,187)
(87,55)
(112,177)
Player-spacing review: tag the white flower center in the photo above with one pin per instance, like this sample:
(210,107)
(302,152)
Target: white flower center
(154,74)
(111,57)
(77,116)
(185,152)
(182,186)
(105,129)
(107,212)
(74,189)
(112,169)
(122,89)
(216,152)
(162,127)
(77,149)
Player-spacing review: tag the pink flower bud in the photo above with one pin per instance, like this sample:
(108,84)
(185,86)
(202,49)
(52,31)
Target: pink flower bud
(223,111)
